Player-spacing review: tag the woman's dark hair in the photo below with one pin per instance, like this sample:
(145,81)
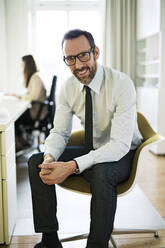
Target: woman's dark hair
(75,33)
(29,69)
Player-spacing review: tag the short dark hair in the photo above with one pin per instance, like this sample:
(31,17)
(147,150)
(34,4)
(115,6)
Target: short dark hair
(75,33)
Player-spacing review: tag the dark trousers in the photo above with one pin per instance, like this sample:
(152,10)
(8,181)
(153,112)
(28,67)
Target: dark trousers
(103,179)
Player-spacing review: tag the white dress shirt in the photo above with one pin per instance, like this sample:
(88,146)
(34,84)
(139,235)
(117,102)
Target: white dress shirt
(115,129)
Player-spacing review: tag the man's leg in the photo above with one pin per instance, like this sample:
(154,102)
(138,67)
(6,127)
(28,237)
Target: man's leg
(103,179)
(44,196)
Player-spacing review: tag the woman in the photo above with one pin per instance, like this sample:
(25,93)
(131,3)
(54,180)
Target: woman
(35,92)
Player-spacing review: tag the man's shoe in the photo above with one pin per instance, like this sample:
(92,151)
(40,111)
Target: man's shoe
(42,245)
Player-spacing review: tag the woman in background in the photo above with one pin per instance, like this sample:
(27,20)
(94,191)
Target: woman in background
(35,92)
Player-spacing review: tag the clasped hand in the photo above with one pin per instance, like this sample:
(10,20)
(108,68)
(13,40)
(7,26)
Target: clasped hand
(56,172)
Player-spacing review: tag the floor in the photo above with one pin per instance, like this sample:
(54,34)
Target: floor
(126,241)
(150,180)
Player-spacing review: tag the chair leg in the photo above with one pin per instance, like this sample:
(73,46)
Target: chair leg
(131,231)
(116,231)
(135,231)
(113,242)
(36,140)
(73,238)
(84,236)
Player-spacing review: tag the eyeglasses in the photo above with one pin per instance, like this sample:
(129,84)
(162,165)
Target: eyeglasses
(83,57)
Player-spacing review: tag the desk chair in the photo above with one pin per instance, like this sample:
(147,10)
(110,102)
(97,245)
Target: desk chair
(80,185)
(40,126)
(44,126)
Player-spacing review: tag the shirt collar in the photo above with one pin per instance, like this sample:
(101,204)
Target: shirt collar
(96,82)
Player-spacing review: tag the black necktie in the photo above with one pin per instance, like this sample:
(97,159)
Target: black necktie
(88,120)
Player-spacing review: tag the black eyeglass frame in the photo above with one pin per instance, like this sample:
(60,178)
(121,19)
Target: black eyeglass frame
(78,56)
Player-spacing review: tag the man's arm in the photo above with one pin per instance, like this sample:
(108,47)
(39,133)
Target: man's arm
(57,140)
(122,128)
(52,171)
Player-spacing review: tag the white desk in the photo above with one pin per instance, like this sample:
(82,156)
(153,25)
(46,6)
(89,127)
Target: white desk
(10,110)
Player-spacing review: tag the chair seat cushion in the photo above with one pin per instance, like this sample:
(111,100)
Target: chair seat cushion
(76,183)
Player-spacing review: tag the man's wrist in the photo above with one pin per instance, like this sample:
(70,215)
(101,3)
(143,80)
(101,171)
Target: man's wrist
(72,166)
(48,157)
(77,170)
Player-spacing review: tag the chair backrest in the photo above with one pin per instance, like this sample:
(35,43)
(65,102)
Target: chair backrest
(53,90)
(149,137)
(51,100)
(144,127)
(47,123)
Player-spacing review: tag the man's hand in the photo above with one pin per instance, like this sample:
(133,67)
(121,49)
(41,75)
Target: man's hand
(48,158)
(58,171)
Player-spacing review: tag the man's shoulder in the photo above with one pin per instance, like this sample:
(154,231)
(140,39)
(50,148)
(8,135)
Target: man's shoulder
(116,78)
(118,84)
(115,74)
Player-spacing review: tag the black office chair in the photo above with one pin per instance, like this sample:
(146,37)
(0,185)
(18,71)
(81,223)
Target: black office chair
(40,126)
(44,125)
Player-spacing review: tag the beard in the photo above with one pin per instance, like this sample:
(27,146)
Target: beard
(92,72)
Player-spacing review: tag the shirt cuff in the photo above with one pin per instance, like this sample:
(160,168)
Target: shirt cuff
(48,158)
(84,162)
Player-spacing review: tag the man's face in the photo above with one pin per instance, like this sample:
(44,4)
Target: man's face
(83,71)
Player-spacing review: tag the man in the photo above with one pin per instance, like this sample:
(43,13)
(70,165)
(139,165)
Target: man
(111,138)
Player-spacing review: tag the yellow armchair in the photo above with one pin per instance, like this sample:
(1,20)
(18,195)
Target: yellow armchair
(79,184)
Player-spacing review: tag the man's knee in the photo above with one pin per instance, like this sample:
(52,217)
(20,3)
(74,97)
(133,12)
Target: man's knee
(104,175)
(34,161)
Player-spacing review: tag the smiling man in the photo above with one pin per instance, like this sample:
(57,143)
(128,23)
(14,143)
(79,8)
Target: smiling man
(83,66)
(105,101)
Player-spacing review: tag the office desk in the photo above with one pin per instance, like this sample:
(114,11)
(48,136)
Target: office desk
(10,110)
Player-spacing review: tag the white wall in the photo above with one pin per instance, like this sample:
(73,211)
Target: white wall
(148,17)
(14,17)
(3,73)
(151,102)
(147,103)
(161,111)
